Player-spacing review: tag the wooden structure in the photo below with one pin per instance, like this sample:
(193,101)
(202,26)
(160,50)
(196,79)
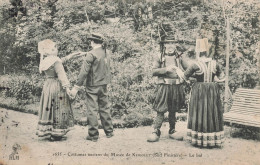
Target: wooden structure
(245,109)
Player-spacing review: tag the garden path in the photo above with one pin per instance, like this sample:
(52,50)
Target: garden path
(17,127)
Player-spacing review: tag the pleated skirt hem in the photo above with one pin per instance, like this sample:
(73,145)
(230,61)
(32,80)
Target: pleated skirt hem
(201,139)
(46,130)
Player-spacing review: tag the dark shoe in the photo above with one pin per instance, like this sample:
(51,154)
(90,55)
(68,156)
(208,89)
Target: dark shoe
(92,138)
(171,131)
(55,138)
(175,135)
(109,135)
(155,136)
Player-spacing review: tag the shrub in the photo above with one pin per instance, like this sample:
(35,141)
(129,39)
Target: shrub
(23,87)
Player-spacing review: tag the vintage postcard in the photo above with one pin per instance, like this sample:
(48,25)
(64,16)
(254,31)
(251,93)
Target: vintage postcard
(120,82)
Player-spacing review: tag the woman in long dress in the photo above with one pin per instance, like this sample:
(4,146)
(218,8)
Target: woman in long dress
(55,113)
(205,116)
(205,121)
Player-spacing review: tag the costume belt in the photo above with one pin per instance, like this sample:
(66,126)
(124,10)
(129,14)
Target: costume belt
(171,81)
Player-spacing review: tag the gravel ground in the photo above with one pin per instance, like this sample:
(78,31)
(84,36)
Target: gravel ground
(128,146)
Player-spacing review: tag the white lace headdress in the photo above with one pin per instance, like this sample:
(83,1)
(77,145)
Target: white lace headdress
(45,48)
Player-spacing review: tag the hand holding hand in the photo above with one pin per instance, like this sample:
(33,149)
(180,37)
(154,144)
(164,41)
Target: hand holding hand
(180,73)
(74,91)
(216,79)
(181,80)
(170,68)
(68,91)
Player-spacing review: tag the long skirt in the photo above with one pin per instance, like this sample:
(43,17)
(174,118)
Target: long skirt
(205,120)
(55,113)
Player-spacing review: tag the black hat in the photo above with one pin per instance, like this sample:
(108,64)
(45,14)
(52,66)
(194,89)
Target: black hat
(167,39)
(168,42)
(96,37)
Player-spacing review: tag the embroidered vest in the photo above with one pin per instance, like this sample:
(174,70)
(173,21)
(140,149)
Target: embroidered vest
(207,69)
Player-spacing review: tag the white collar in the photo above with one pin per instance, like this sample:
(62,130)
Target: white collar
(47,62)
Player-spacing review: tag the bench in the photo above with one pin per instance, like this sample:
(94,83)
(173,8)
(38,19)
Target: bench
(245,109)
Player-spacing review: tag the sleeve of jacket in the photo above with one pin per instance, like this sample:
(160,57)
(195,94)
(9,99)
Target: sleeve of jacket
(85,68)
(190,70)
(157,70)
(59,69)
(183,64)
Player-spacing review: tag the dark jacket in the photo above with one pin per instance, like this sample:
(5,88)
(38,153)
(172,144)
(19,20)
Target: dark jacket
(95,69)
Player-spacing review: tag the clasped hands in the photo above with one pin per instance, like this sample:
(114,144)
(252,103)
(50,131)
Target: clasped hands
(73,92)
(179,72)
(171,68)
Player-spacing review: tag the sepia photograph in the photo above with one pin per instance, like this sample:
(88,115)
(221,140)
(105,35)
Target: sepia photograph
(122,82)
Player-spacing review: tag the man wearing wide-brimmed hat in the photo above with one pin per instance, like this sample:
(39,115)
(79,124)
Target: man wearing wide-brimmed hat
(95,71)
(169,95)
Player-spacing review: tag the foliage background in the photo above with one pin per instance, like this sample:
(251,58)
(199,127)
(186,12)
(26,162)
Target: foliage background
(133,41)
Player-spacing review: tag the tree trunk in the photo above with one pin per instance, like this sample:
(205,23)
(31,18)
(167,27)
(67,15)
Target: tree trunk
(227,68)
(258,63)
